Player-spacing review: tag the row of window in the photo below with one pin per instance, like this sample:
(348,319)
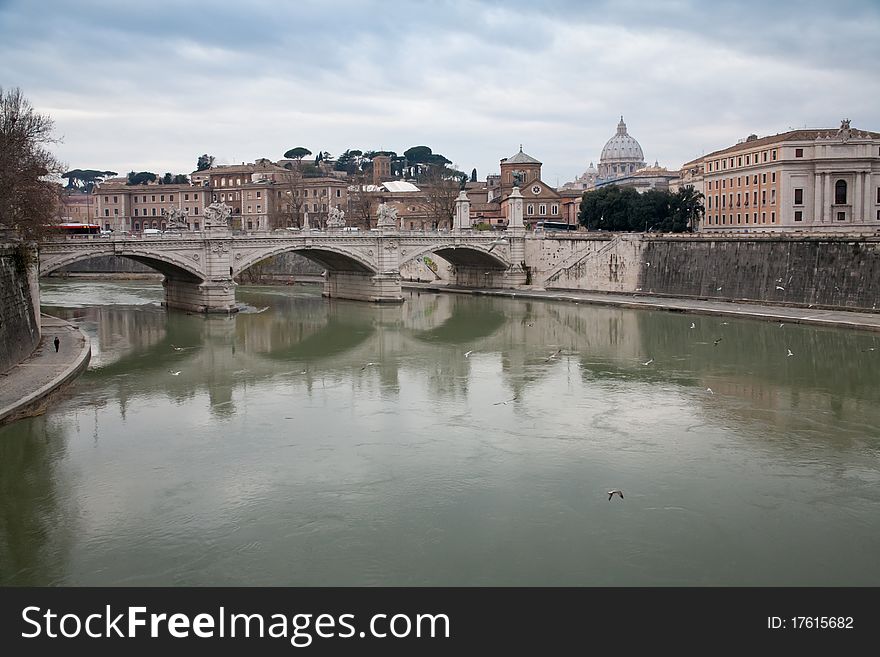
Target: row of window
(727,199)
(721,220)
(134,198)
(741,160)
(728,182)
(542,209)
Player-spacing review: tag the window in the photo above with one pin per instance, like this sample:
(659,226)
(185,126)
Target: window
(338,193)
(258,208)
(723,201)
(196,224)
(710,202)
(798,152)
(171,198)
(258,194)
(798,215)
(738,199)
(323,207)
(841,216)
(116,199)
(237,182)
(106,199)
(763,177)
(878,194)
(223,182)
(840,192)
(196,211)
(116,212)
(137,225)
(554,209)
(754,198)
(763,217)
(739,181)
(106,212)
(314,206)
(773,217)
(748,159)
(738,218)
(723,183)
(765,156)
(542,209)
(773,156)
(798,196)
(773,176)
(135,212)
(739,163)
(773,196)
(153,211)
(755,217)
(153,198)
(186,197)
(755,181)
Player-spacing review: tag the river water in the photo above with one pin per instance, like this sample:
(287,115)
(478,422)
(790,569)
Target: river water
(310,442)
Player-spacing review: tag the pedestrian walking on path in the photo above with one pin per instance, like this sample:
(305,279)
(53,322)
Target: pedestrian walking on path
(57,343)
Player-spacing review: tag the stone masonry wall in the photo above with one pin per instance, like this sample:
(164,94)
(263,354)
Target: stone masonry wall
(822,271)
(19,313)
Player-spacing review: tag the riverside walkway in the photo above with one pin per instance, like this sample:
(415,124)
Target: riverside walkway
(25,389)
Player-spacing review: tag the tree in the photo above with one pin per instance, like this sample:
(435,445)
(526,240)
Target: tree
(181,179)
(288,209)
(28,171)
(441,185)
(474,175)
(141,178)
(362,201)
(167,179)
(624,209)
(86,179)
(297,153)
(205,162)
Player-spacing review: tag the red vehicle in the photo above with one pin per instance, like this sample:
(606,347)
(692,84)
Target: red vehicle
(77,229)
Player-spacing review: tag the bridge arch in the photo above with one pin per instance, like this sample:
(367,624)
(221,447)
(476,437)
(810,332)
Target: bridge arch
(330,257)
(460,255)
(171,265)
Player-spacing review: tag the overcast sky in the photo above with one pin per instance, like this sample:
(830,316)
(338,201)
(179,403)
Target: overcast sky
(152,85)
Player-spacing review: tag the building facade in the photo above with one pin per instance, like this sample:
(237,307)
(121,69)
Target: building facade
(809,180)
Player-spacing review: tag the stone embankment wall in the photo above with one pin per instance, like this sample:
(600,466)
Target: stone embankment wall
(19,305)
(822,271)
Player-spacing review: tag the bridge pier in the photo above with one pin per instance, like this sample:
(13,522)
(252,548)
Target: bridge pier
(200,296)
(363,286)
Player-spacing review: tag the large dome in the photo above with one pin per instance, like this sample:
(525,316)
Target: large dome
(622,155)
(622,148)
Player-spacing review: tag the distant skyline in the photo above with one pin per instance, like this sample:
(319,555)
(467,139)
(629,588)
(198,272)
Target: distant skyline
(151,86)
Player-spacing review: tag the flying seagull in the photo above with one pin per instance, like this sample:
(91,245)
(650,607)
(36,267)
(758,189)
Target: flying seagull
(173,373)
(693,325)
(718,288)
(779,287)
(612,493)
(781,324)
(367,365)
(553,355)
(717,341)
(789,353)
(495,243)
(869,349)
(648,362)
(709,390)
(468,353)
(504,403)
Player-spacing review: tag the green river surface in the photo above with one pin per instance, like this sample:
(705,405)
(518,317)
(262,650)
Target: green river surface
(437,443)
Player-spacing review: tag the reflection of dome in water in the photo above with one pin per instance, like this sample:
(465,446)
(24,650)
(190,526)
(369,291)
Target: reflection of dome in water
(621,155)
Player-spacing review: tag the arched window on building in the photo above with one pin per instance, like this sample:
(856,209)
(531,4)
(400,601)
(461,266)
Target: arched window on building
(840,192)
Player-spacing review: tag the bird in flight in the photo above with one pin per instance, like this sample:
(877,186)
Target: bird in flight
(789,353)
(779,287)
(781,324)
(693,325)
(495,243)
(367,365)
(718,288)
(612,493)
(648,362)
(717,341)
(553,355)
(724,323)
(709,390)
(173,373)
(467,354)
(504,403)
(869,349)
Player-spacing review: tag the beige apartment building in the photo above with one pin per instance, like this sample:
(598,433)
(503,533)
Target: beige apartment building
(808,180)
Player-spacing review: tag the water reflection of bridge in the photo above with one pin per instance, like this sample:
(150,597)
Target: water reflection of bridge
(305,339)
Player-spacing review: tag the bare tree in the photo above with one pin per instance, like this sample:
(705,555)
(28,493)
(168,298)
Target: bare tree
(362,201)
(288,209)
(441,186)
(29,173)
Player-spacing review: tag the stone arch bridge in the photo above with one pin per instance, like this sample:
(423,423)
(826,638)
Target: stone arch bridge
(199,268)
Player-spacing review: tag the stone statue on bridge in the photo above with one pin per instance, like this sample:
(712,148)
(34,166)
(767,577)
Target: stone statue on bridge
(176,219)
(335,218)
(217,215)
(387,216)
